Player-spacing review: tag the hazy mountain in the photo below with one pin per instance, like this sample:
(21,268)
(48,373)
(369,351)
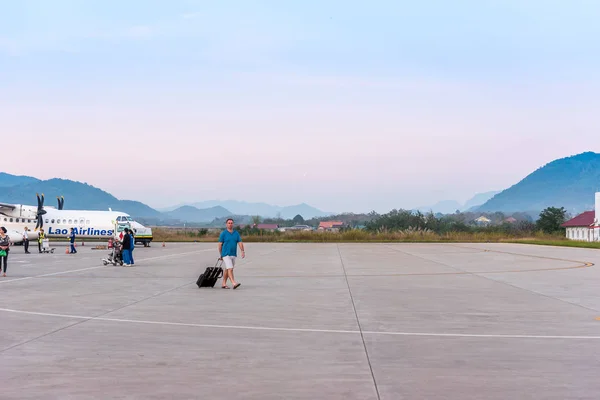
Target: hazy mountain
(444,207)
(567,182)
(7,180)
(303,209)
(478,199)
(193,214)
(262,209)
(450,206)
(77,196)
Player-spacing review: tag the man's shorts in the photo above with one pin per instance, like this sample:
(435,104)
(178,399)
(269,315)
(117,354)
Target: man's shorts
(229,262)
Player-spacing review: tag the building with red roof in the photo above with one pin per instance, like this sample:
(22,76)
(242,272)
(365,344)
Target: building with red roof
(330,225)
(267,227)
(582,227)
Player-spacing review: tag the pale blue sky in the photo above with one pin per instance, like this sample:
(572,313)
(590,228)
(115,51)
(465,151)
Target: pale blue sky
(252,100)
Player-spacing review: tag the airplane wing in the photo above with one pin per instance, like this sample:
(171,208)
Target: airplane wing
(9,206)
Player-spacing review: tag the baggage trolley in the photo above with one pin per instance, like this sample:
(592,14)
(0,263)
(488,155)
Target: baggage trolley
(46,246)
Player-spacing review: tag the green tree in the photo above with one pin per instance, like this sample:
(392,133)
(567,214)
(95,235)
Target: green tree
(298,219)
(256,219)
(551,218)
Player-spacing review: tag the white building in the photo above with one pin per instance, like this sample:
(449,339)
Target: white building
(585,226)
(483,221)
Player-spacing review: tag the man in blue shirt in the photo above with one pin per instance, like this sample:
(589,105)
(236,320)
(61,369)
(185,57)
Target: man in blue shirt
(228,242)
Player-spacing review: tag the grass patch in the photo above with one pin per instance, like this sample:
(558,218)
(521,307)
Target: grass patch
(559,242)
(162,234)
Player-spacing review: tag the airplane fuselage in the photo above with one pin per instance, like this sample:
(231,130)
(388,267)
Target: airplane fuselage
(58,223)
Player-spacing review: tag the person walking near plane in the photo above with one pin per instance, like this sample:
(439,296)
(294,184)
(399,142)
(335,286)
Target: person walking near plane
(41,237)
(132,245)
(4,249)
(26,240)
(72,240)
(126,243)
(228,243)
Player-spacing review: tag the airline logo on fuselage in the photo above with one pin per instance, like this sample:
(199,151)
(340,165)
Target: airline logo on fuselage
(86,232)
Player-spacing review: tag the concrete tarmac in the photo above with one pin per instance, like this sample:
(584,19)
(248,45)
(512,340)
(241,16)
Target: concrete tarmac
(310,321)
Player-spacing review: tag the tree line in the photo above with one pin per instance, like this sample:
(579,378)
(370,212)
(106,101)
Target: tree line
(548,221)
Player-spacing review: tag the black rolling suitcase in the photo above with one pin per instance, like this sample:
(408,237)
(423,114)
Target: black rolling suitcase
(209,277)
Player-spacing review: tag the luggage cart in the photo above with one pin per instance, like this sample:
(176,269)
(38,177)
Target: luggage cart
(46,246)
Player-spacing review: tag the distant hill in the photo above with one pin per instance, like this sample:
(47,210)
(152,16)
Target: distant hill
(444,207)
(450,206)
(7,180)
(567,182)
(263,209)
(193,214)
(478,200)
(303,209)
(77,196)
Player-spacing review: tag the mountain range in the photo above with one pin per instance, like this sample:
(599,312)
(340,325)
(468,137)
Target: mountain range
(263,209)
(450,206)
(19,189)
(568,182)
(22,190)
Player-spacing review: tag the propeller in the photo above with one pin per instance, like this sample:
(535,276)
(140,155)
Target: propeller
(40,212)
(61,202)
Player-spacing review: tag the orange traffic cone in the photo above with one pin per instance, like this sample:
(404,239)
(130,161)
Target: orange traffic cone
(163,244)
(67,250)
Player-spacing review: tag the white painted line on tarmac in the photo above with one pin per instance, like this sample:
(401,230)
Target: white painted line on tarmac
(103,266)
(477,335)
(165,323)
(264,328)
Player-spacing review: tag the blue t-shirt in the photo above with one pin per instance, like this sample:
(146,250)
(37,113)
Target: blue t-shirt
(230,241)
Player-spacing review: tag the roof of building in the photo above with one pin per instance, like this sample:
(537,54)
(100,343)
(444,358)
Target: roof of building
(267,226)
(583,219)
(330,224)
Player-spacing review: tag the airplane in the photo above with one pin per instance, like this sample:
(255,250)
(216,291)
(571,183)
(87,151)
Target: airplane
(88,224)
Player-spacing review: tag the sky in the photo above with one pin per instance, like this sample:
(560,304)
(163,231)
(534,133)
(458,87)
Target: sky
(347,106)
